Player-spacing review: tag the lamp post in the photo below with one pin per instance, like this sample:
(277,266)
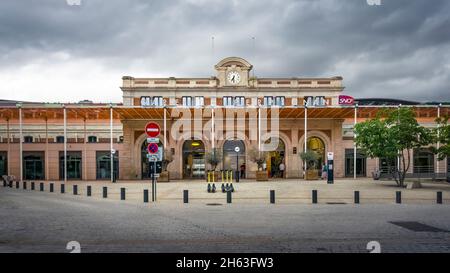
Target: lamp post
(237,149)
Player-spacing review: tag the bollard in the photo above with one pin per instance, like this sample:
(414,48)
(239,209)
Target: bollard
(398,197)
(75,190)
(105,192)
(63,188)
(439,197)
(122,193)
(24,185)
(41,186)
(51,187)
(229,197)
(17,185)
(185,196)
(356,197)
(32,186)
(272,196)
(314,196)
(89,191)
(145,196)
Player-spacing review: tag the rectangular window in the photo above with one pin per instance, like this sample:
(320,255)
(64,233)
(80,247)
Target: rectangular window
(3,163)
(74,166)
(228,101)
(187,101)
(279,101)
(34,165)
(158,101)
(268,101)
(103,159)
(239,101)
(199,101)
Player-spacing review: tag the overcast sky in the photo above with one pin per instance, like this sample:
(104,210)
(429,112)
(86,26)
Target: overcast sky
(51,51)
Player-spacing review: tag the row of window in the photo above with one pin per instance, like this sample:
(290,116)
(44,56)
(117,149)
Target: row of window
(34,165)
(60,139)
(189,101)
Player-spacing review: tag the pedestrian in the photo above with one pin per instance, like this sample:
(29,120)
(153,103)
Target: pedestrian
(281,168)
(243,170)
(324,171)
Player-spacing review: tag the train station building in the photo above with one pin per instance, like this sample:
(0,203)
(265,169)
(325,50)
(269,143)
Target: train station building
(233,108)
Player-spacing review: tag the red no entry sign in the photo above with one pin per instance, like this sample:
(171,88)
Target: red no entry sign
(152,129)
(152,148)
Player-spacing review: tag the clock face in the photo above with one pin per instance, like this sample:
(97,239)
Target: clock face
(234,77)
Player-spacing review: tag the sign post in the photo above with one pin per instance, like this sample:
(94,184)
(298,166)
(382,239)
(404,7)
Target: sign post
(152,130)
(330,176)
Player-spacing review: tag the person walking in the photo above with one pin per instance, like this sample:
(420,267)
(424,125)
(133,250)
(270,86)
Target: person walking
(324,171)
(281,168)
(243,170)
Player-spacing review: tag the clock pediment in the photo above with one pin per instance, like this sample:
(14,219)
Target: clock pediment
(233,71)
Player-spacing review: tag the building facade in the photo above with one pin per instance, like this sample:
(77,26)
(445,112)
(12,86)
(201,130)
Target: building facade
(196,115)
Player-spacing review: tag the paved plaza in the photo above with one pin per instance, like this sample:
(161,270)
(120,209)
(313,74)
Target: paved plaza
(33,221)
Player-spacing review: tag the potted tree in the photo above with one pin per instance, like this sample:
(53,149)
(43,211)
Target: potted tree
(259,158)
(164,176)
(213,158)
(311,159)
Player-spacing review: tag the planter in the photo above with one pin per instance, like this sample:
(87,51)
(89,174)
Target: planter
(262,176)
(164,176)
(311,175)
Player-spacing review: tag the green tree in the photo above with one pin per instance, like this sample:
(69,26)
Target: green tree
(393,134)
(442,135)
(214,157)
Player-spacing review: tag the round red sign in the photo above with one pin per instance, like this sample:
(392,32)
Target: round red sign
(152,129)
(152,148)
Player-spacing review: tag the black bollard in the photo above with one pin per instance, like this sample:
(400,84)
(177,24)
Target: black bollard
(213,188)
(229,197)
(32,186)
(356,197)
(272,196)
(398,197)
(89,191)
(75,190)
(41,186)
(17,185)
(24,185)
(63,188)
(439,197)
(122,193)
(223,187)
(105,192)
(314,196)
(145,196)
(185,196)
(51,187)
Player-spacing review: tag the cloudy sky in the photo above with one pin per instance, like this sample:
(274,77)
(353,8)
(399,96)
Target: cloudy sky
(51,51)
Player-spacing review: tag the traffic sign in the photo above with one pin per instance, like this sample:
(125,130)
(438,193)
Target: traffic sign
(152,148)
(152,140)
(152,129)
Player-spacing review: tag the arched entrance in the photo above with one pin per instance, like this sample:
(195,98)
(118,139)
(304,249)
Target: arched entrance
(231,158)
(144,160)
(317,145)
(193,159)
(275,158)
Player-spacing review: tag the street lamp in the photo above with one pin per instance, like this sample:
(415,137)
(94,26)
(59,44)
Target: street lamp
(237,149)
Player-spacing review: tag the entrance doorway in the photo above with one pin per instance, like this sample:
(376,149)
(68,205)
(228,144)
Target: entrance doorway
(144,160)
(3,163)
(193,159)
(33,165)
(275,158)
(360,163)
(230,156)
(317,145)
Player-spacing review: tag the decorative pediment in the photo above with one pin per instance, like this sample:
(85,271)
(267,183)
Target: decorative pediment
(233,62)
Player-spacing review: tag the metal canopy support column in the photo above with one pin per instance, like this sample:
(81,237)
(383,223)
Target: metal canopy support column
(84,152)
(212,128)
(165,128)
(20,142)
(111,141)
(9,146)
(438,143)
(47,172)
(354,141)
(65,143)
(259,129)
(306,138)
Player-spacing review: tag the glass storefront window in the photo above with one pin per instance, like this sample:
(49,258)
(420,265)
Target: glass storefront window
(3,163)
(103,159)
(74,166)
(34,165)
(360,163)
(423,161)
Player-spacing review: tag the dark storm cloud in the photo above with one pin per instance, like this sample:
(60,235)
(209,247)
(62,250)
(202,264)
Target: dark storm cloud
(399,49)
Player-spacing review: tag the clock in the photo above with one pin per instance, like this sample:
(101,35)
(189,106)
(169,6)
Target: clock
(234,77)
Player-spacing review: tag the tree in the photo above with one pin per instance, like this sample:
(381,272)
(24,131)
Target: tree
(311,158)
(393,134)
(214,157)
(257,157)
(442,135)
